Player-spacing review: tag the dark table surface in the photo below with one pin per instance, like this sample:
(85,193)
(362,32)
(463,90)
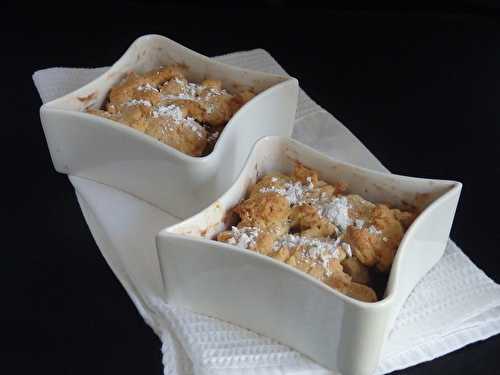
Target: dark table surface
(421,90)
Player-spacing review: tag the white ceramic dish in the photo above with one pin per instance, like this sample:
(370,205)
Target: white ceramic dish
(262,294)
(89,146)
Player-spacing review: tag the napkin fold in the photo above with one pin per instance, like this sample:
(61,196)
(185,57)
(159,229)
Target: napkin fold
(454,305)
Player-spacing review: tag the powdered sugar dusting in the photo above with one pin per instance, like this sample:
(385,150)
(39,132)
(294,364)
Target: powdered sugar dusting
(347,248)
(358,223)
(245,237)
(294,192)
(180,96)
(147,87)
(132,102)
(337,212)
(175,113)
(322,250)
(194,92)
(172,111)
(192,124)
(375,231)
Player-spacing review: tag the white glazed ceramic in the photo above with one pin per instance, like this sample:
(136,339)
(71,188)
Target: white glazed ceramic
(105,151)
(270,297)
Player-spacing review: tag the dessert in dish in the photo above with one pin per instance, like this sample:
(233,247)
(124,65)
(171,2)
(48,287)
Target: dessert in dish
(162,103)
(114,154)
(270,297)
(339,238)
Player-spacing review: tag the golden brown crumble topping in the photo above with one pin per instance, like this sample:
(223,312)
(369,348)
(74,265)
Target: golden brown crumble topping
(341,239)
(165,105)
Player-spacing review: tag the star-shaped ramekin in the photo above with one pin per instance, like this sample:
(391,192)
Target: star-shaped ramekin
(105,151)
(276,300)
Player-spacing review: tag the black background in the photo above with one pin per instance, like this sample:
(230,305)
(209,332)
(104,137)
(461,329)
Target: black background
(420,88)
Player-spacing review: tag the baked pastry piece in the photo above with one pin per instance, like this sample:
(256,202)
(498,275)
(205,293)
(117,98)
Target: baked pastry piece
(316,227)
(165,105)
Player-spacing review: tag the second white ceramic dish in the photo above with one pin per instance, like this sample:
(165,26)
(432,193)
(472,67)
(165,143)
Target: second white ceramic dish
(102,150)
(262,294)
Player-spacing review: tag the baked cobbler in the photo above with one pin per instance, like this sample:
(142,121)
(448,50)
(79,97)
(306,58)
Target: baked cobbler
(319,228)
(162,103)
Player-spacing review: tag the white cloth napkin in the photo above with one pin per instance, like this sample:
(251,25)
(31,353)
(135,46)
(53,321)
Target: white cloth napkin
(454,305)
